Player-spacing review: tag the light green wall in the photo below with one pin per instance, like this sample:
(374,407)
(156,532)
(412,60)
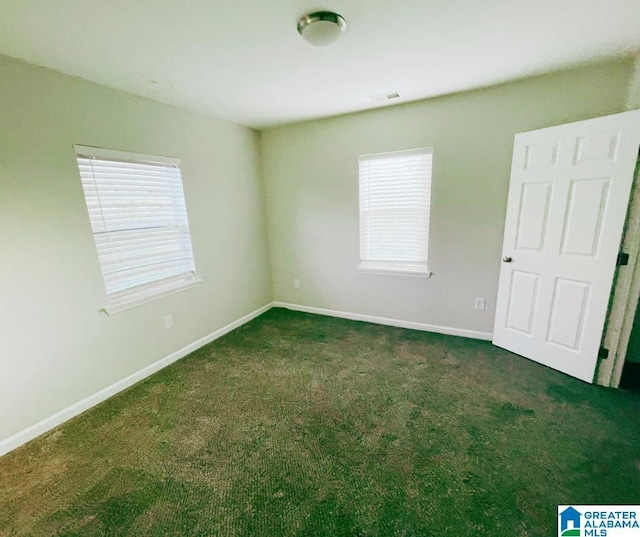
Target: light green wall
(633,93)
(311,181)
(55,346)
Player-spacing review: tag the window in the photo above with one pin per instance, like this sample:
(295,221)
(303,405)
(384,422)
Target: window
(395,194)
(139,220)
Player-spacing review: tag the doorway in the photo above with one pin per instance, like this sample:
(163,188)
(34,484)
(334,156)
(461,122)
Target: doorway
(630,379)
(568,198)
(623,316)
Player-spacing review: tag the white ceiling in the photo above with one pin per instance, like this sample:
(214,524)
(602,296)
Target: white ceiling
(243,60)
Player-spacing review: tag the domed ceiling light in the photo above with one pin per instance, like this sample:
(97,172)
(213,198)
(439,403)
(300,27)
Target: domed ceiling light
(321,28)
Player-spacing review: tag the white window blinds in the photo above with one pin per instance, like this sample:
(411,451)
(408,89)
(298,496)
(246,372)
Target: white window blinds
(138,216)
(395,199)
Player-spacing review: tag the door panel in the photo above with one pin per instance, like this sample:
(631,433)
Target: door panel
(568,308)
(534,211)
(566,209)
(541,156)
(588,200)
(524,287)
(597,147)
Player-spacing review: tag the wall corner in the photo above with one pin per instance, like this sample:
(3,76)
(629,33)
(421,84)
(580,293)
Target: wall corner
(633,91)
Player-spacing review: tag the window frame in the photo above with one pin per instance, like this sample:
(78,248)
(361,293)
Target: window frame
(154,290)
(395,267)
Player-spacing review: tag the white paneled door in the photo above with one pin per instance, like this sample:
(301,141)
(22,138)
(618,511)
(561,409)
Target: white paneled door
(568,199)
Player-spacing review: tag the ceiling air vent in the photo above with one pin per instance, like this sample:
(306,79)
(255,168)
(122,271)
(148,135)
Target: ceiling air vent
(385,97)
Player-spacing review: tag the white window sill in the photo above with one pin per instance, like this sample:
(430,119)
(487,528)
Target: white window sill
(127,300)
(394,269)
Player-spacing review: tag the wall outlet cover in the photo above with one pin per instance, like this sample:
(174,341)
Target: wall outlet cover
(481,303)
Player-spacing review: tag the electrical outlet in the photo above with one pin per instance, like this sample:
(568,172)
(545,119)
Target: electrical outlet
(481,303)
(168,321)
(296,283)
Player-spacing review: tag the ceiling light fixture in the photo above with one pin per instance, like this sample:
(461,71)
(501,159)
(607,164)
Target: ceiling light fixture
(321,28)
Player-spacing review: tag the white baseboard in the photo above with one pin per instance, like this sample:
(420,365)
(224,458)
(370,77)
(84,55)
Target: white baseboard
(24,436)
(474,334)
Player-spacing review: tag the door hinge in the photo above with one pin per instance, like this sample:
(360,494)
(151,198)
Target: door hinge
(603,353)
(623,259)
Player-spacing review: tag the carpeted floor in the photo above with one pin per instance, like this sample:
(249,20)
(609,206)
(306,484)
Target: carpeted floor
(301,425)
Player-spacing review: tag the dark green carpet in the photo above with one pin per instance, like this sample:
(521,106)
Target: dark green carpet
(300,425)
